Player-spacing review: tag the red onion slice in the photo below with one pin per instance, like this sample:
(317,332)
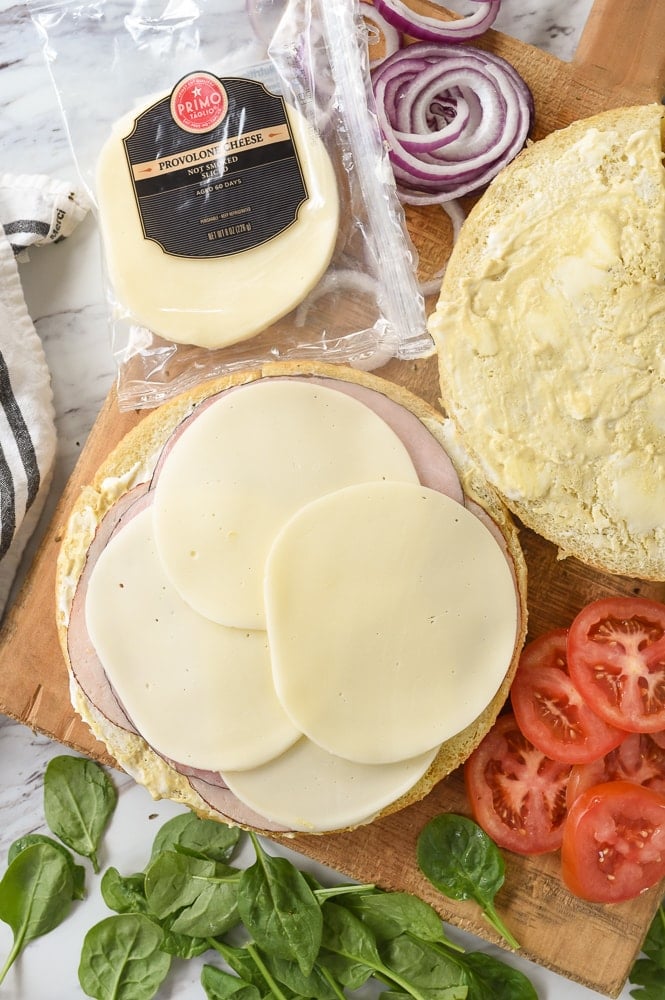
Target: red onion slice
(383,38)
(457,215)
(452,117)
(433,29)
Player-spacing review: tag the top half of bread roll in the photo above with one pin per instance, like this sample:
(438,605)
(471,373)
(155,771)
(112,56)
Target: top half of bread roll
(549,331)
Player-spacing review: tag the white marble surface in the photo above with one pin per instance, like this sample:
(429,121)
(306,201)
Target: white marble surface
(64,295)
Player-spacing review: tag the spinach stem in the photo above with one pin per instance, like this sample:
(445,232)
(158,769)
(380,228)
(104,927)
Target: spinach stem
(250,947)
(255,843)
(443,947)
(341,890)
(16,947)
(389,975)
(332,982)
(258,961)
(497,923)
(219,947)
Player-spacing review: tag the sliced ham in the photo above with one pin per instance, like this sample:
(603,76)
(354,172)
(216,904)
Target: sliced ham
(230,808)
(494,530)
(432,464)
(209,777)
(87,669)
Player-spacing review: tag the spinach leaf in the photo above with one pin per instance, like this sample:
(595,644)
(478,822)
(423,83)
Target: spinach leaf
(241,960)
(181,945)
(199,894)
(79,799)
(317,984)
(649,979)
(428,968)
(445,993)
(389,914)
(344,934)
(78,871)
(121,959)
(219,985)
(204,838)
(36,893)
(279,909)
(648,972)
(463,863)
(347,972)
(491,977)
(124,893)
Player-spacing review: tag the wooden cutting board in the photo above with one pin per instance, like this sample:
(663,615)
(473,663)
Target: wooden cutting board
(620,60)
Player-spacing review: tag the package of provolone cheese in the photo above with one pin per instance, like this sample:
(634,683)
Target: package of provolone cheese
(245,201)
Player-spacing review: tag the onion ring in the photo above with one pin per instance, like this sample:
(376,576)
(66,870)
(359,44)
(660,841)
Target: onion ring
(457,215)
(383,38)
(433,29)
(452,117)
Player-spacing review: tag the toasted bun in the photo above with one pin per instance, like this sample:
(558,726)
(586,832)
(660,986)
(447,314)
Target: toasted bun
(549,332)
(132,461)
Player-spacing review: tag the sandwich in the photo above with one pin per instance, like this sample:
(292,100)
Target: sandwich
(289,601)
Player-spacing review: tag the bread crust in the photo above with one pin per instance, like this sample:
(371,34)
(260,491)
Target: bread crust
(580,390)
(132,460)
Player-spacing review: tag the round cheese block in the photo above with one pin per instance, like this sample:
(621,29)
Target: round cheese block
(215,301)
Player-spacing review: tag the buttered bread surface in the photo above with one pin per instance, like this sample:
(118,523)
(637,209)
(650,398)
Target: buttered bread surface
(549,331)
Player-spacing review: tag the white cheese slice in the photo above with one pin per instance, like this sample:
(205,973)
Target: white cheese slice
(242,468)
(313,791)
(392,618)
(215,301)
(199,693)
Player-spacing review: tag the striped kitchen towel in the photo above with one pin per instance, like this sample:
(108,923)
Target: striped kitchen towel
(34,209)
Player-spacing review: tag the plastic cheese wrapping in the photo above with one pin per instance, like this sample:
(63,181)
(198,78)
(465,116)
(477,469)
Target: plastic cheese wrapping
(245,202)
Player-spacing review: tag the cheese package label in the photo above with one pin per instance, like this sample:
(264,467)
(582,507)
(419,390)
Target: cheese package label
(215,168)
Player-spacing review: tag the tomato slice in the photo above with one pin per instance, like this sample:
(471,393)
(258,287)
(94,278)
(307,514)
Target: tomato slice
(616,658)
(614,842)
(517,794)
(550,710)
(638,758)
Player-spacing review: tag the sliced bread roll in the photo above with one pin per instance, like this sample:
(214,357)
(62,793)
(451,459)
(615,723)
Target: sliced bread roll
(122,495)
(549,331)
